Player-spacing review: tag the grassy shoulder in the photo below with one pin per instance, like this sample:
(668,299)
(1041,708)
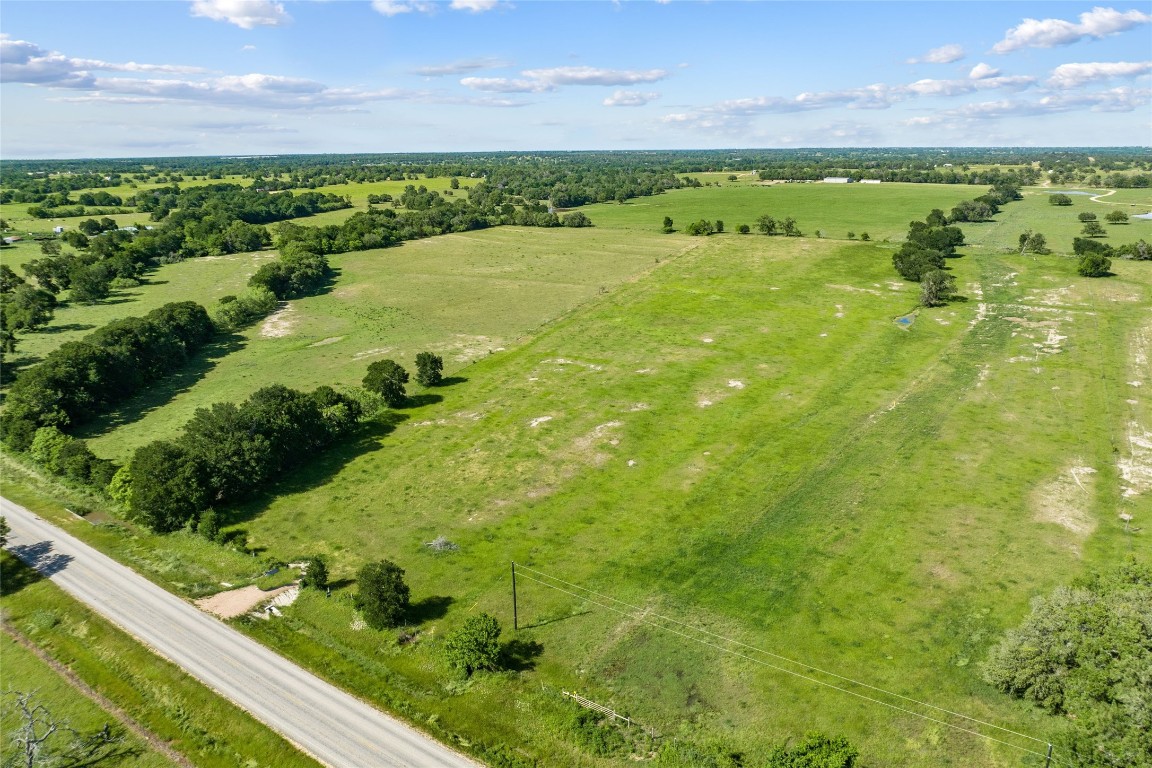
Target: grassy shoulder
(25,672)
(189,717)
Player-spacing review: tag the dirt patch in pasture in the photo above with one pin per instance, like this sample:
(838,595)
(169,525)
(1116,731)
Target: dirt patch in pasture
(1065,501)
(1136,468)
(855,289)
(280,323)
(237,602)
(371,353)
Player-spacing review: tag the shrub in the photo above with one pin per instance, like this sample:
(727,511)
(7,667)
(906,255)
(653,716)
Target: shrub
(475,646)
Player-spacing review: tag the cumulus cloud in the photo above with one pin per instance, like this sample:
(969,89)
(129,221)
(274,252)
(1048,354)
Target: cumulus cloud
(1114,100)
(945,54)
(505,85)
(475,6)
(594,76)
(459,67)
(734,115)
(25,62)
(397,7)
(1048,33)
(1075,75)
(540,80)
(246,14)
(982,71)
(630,99)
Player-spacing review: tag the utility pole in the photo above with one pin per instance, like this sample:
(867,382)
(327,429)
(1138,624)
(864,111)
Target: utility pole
(515,617)
(1048,760)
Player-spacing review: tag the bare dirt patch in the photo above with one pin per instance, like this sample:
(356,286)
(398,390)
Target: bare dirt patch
(237,602)
(1136,467)
(1065,501)
(279,323)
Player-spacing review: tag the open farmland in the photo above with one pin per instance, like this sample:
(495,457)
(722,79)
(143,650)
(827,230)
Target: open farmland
(733,432)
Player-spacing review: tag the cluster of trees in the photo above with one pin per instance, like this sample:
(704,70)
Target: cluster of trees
(72,459)
(228,451)
(23,307)
(83,378)
(987,205)
(61,204)
(921,257)
(766,225)
(1085,654)
(704,227)
(298,272)
(251,205)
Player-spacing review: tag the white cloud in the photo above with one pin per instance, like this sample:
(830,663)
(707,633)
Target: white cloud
(630,99)
(475,6)
(459,67)
(246,14)
(1048,33)
(982,71)
(540,80)
(1114,100)
(25,62)
(594,76)
(945,54)
(1075,75)
(505,85)
(736,114)
(396,7)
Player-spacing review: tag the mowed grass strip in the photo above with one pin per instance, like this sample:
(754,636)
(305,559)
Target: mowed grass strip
(192,719)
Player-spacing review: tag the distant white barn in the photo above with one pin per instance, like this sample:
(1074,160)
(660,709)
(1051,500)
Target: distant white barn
(869,181)
(837,180)
(57,230)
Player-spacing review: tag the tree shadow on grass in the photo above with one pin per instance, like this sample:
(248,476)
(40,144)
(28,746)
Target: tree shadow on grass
(15,575)
(520,655)
(318,469)
(66,327)
(164,391)
(428,609)
(451,381)
(419,401)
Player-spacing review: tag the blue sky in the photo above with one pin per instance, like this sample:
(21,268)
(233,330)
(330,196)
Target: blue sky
(184,77)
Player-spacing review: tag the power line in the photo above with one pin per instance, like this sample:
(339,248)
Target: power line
(641,618)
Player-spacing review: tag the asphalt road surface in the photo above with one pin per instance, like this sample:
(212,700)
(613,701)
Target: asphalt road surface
(332,726)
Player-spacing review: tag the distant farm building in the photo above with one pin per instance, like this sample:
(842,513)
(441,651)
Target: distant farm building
(837,180)
(869,181)
(57,230)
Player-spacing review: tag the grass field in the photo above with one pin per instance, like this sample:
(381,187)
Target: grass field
(181,712)
(730,431)
(25,672)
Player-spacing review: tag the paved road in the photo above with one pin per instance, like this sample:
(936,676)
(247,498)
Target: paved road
(337,729)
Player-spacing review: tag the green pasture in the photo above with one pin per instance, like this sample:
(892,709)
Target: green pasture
(462,296)
(881,210)
(25,672)
(1059,223)
(733,432)
(186,715)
